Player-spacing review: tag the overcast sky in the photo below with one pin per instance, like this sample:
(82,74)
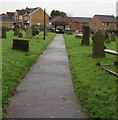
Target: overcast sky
(79,8)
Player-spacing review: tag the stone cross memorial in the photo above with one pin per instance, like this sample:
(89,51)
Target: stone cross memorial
(86,36)
(98,44)
(29,32)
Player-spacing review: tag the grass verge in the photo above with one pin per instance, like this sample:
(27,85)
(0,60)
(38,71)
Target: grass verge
(16,63)
(95,88)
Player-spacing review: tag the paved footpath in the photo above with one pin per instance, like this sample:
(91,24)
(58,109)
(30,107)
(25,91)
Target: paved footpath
(46,91)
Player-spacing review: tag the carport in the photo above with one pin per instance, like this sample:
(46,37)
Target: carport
(60,23)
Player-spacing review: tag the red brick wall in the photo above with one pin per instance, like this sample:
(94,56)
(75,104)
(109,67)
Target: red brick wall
(38,17)
(95,23)
(77,26)
(9,25)
(74,26)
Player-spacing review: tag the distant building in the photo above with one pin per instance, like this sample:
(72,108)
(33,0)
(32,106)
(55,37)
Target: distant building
(6,21)
(77,23)
(31,16)
(28,16)
(11,15)
(60,23)
(59,20)
(102,21)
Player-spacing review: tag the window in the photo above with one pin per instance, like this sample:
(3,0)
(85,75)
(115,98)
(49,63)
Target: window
(20,17)
(26,17)
(107,24)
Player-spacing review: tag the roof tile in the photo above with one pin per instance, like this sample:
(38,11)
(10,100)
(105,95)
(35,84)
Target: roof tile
(106,18)
(80,19)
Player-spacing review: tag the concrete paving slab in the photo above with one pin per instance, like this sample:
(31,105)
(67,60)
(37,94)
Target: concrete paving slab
(47,91)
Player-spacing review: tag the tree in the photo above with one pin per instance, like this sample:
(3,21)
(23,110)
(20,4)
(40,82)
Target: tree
(56,13)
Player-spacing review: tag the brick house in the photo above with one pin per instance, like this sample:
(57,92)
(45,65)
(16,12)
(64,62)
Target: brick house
(102,21)
(77,23)
(31,16)
(11,15)
(6,21)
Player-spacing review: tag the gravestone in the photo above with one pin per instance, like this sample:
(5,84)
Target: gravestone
(16,30)
(20,35)
(113,37)
(116,62)
(86,36)
(79,36)
(22,45)
(98,44)
(29,32)
(37,32)
(33,31)
(103,31)
(107,37)
(69,32)
(4,32)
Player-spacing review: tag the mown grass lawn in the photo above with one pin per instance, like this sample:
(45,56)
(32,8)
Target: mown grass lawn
(15,64)
(95,87)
